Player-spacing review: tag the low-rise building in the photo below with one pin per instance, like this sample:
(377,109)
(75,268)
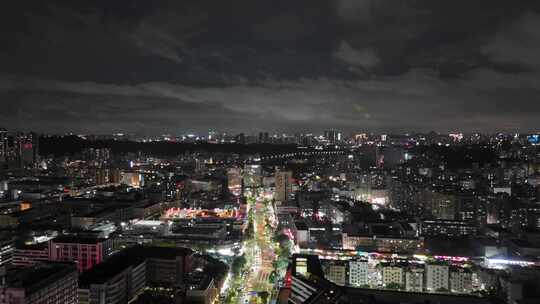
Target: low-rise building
(337,273)
(414,279)
(382,244)
(7,248)
(393,275)
(437,278)
(30,255)
(124,275)
(358,273)
(85,252)
(460,280)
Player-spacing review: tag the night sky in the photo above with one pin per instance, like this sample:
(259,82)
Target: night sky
(154,67)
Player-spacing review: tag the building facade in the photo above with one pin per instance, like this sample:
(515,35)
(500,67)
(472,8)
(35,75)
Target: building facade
(85,252)
(337,273)
(7,248)
(393,275)
(460,280)
(414,280)
(437,278)
(31,255)
(48,283)
(358,273)
(284,182)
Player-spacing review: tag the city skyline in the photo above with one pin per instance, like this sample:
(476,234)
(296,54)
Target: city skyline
(270,152)
(153,68)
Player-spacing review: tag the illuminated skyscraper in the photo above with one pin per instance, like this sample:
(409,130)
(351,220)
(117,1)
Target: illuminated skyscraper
(234,180)
(264,138)
(28,148)
(19,150)
(212,136)
(333,136)
(283,185)
(3,145)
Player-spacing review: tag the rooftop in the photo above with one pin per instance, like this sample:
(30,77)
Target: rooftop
(39,246)
(133,256)
(34,278)
(68,239)
(196,230)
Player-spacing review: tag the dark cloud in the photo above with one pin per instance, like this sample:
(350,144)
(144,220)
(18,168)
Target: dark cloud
(365,58)
(518,43)
(167,66)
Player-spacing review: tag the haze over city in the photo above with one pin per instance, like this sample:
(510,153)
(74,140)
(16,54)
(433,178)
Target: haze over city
(169,66)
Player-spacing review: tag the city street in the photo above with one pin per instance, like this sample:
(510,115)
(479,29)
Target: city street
(254,278)
(262,254)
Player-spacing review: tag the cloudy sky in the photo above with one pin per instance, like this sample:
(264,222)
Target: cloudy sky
(154,67)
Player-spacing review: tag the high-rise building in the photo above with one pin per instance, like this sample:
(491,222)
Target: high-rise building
(212,137)
(240,139)
(437,277)
(132,178)
(442,206)
(360,138)
(284,182)
(3,145)
(414,279)
(390,156)
(306,139)
(19,150)
(264,138)
(98,155)
(28,149)
(46,283)
(200,166)
(102,176)
(358,273)
(115,176)
(333,136)
(234,180)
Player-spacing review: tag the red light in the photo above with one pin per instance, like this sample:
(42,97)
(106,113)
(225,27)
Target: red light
(288,279)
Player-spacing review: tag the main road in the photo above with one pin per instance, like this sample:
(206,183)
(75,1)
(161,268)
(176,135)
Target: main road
(261,254)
